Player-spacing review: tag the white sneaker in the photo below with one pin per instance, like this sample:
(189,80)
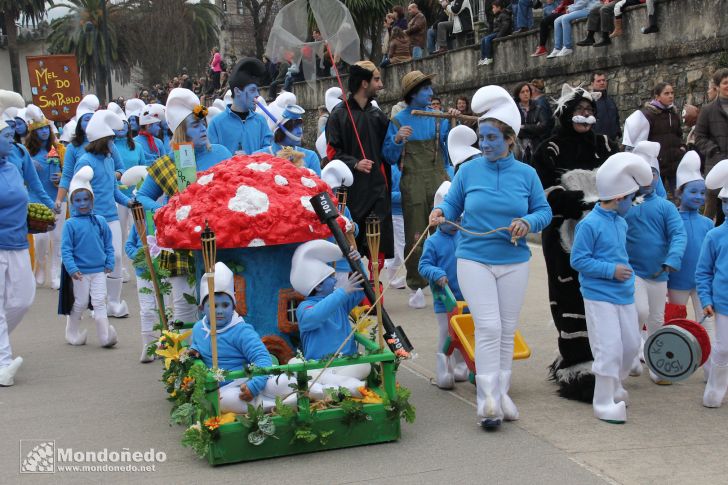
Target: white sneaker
(553,54)
(125,275)
(636,369)
(56,283)
(482,62)
(565,52)
(399,282)
(488,61)
(7,373)
(417,299)
(40,275)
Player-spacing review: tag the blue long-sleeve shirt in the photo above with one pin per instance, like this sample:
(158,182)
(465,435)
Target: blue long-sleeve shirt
(696,228)
(132,246)
(490,195)
(396,194)
(74,154)
(44,170)
(711,274)
(236,134)
(20,157)
(238,345)
(324,323)
(423,128)
(655,236)
(104,184)
(86,244)
(150,191)
(13,208)
(311,159)
(129,158)
(438,260)
(600,244)
(149,154)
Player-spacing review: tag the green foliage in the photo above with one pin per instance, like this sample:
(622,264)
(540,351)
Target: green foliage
(354,412)
(190,299)
(260,424)
(284,410)
(399,407)
(197,439)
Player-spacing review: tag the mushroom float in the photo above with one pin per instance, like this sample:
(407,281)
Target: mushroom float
(259,208)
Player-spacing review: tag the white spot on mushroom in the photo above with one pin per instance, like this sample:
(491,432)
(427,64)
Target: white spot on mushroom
(205,179)
(310,227)
(198,229)
(183,212)
(307,182)
(249,200)
(259,167)
(312,171)
(280,180)
(257,242)
(306,203)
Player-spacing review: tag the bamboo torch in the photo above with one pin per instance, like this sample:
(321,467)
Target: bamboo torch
(341,196)
(209,254)
(374,235)
(140,225)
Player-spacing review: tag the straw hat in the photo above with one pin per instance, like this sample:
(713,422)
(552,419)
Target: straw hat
(413,79)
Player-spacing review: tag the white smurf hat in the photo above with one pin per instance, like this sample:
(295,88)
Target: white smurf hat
(689,169)
(228,98)
(622,174)
(134,107)
(152,113)
(211,113)
(36,118)
(460,144)
(81,180)
(321,145)
(10,99)
(224,283)
(134,175)
(69,129)
(102,124)
(220,104)
(636,129)
(332,98)
(310,264)
(181,103)
(648,150)
(89,104)
(336,174)
(442,192)
(495,102)
(116,109)
(717,178)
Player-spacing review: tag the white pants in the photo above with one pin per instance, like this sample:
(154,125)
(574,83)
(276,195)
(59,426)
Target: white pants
(17,291)
(682,297)
(613,337)
(719,352)
(90,287)
(126,221)
(649,298)
(50,242)
(398,227)
(495,295)
(147,305)
(182,310)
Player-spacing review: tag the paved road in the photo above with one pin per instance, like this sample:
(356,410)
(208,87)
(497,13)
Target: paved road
(90,398)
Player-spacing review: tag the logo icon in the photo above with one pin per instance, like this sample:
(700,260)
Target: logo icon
(37,456)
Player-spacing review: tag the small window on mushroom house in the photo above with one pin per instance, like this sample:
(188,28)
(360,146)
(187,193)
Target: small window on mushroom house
(288,301)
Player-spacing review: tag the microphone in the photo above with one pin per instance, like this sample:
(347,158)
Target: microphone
(327,212)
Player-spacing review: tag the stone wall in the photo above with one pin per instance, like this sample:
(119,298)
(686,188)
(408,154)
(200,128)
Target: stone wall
(692,43)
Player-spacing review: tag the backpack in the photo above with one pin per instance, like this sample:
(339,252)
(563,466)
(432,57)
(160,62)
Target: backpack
(223,65)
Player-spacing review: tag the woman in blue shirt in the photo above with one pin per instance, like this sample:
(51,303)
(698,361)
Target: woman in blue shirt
(492,193)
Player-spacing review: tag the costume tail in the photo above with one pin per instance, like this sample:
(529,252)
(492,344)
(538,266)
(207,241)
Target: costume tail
(575,382)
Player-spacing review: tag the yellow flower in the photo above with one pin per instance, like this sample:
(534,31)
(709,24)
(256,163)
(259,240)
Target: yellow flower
(368,396)
(217,421)
(174,348)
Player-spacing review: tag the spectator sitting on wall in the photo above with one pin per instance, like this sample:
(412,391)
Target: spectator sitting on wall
(460,21)
(399,47)
(283,66)
(502,27)
(523,13)
(563,43)
(432,31)
(607,113)
(386,35)
(546,24)
(416,30)
(400,18)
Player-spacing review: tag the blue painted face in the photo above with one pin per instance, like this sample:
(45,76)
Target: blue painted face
(153,129)
(196,131)
(625,204)
(725,207)
(84,121)
(163,124)
(224,309)
(43,133)
(11,124)
(693,196)
(6,141)
(492,142)
(123,131)
(21,129)
(326,287)
(297,131)
(134,123)
(422,98)
(244,99)
(82,201)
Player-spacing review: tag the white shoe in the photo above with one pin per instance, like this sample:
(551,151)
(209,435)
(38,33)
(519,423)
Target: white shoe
(510,411)
(605,408)
(659,380)
(147,338)
(7,373)
(444,371)
(460,368)
(621,394)
(490,412)
(481,62)
(565,52)
(111,338)
(117,309)
(417,299)
(125,275)
(488,61)
(56,283)
(716,387)
(636,369)
(73,335)
(40,275)
(399,282)
(553,54)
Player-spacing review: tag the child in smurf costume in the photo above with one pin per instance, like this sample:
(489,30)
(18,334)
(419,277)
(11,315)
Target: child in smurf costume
(87,252)
(438,265)
(599,255)
(656,243)
(711,278)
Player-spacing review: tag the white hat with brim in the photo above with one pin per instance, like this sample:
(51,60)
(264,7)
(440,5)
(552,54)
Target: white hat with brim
(152,113)
(336,174)
(496,103)
(69,130)
(81,181)
(310,265)
(116,109)
(636,129)
(622,174)
(181,103)
(689,169)
(133,107)
(442,192)
(649,151)
(224,283)
(332,98)
(89,104)
(717,178)
(460,144)
(102,124)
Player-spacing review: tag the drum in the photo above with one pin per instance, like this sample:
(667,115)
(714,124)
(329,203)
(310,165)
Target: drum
(677,349)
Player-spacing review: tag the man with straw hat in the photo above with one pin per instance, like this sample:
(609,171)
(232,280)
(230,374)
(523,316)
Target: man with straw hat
(419,145)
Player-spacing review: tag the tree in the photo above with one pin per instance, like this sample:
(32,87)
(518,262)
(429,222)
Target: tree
(12,11)
(368,16)
(81,33)
(261,12)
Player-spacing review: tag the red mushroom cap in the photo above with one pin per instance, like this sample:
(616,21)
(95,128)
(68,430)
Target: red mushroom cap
(248,201)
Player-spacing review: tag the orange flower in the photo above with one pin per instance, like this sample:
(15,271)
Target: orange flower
(217,421)
(187,383)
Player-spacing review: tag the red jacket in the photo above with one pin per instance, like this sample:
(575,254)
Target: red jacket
(562,6)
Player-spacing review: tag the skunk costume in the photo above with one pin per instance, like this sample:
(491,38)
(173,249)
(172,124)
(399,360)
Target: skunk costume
(566,164)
